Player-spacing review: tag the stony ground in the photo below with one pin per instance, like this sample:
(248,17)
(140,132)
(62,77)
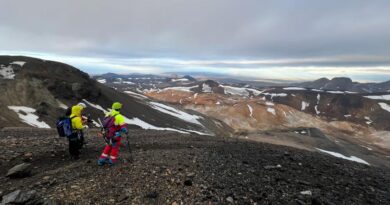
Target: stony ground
(172,168)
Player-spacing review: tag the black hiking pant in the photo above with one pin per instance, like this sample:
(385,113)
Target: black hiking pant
(76,142)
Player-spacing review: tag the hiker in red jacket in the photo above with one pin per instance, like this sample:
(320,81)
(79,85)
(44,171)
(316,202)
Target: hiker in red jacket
(115,123)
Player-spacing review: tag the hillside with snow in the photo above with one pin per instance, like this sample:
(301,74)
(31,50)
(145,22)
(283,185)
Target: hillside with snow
(37,92)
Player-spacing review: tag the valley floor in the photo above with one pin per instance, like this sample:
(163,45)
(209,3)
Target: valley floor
(173,168)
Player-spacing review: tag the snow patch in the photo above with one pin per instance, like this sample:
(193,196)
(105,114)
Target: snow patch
(128,82)
(317,111)
(147,126)
(352,158)
(206,88)
(176,113)
(318,98)
(304,105)
(368,148)
(179,80)
(7,72)
(185,89)
(96,123)
(271,110)
(27,116)
(385,106)
(276,94)
(316,90)
(369,121)
(269,103)
(335,92)
(250,111)
(347,115)
(294,88)
(96,106)
(137,95)
(102,81)
(62,105)
(21,63)
(240,91)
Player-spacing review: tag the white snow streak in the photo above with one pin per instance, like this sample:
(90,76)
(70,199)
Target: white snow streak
(276,94)
(352,158)
(102,81)
(369,121)
(185,89)
(206,88)
(96,106)
(240,91)
(180,80)
(378,97)
(294,88)
(336,92)
(96,123)
(147,126)
(62,105)
(21,63)
(176,113)
(250,111)
(269,103)
(27,116)
(385,106)
(137,95)
(271,110)
(316,108)
(318,98)
(304,105)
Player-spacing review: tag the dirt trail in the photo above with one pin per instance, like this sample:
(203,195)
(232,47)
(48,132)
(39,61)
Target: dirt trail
(172,168)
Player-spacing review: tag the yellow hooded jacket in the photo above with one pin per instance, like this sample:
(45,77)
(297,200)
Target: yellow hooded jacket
(76,118)
(119,119)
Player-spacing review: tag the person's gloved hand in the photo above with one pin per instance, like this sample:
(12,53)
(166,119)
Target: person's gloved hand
(124,130)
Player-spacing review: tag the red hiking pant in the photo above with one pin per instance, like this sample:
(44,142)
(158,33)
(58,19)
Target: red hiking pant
(111,151)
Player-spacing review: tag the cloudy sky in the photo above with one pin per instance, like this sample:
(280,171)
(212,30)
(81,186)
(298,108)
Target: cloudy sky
(275,39)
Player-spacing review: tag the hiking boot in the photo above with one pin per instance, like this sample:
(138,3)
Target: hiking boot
(102,161)
(111,162)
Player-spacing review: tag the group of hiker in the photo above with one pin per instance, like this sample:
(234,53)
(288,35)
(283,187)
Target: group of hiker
(113,127)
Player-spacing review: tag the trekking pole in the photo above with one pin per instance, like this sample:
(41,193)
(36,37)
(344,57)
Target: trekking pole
(103,132)
(128,146)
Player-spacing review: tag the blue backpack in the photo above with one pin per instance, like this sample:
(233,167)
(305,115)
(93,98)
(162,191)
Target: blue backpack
(64,126)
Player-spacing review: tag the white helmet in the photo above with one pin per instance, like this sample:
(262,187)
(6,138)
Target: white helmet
(82,105)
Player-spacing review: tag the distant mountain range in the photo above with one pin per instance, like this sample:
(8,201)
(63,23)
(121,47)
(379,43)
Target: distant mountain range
(346,84)
(335,84)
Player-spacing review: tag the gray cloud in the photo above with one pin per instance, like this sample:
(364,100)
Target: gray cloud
(202,29)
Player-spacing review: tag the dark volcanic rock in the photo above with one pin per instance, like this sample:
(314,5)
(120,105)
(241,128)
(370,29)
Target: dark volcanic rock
(19,197)
(221,171)
(20,171)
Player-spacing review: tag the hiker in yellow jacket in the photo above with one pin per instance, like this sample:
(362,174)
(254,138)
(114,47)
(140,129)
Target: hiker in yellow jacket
(115,123)
(76,140)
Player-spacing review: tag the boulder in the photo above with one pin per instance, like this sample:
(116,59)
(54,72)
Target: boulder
(19,197)
(19,171)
